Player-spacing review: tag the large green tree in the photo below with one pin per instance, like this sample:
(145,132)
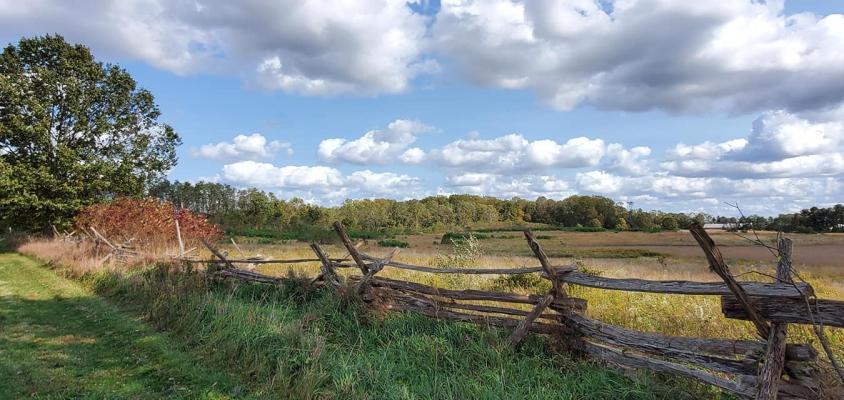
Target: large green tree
(73,131)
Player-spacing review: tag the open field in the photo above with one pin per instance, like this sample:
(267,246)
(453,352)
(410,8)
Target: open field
(306,314)
(292,343)
(817,258)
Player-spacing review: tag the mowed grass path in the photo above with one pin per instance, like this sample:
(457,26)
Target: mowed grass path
(59,341)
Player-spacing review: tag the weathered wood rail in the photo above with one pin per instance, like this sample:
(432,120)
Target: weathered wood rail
(765,368)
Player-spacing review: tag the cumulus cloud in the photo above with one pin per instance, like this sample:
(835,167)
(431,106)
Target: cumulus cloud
(266,175)
(313,48)
(376,146)
(780,144)
(413,155)
(503,186)
(320,181)
(383,183)
(628,161)
(243,147)
(514,152)
(675,55)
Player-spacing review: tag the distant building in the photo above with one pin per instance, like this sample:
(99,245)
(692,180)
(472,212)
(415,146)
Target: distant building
(719,227)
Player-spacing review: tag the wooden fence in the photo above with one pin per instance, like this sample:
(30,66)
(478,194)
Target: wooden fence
(766,368)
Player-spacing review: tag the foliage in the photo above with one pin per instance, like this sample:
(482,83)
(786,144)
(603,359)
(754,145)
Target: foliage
(453,237)
(73,131)
(464,253)
(669,223)
(393,243)
(374,219)
(148,221)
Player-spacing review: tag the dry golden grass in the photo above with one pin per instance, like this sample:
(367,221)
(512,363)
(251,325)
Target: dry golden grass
(668,314)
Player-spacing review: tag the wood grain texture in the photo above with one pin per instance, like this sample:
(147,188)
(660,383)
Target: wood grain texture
(756,289)
(717,264)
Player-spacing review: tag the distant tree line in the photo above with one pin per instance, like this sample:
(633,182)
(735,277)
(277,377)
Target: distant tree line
(811,220)
(243,210)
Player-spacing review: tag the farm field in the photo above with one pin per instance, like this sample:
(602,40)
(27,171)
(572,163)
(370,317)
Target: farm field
(655,256)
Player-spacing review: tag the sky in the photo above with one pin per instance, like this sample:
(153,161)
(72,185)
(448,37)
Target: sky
(660,104)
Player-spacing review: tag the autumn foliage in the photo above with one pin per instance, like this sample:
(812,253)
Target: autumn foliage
(149,221)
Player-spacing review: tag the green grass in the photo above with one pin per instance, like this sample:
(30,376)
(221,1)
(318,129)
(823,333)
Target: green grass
(296,343)
(393,243)
(58,341)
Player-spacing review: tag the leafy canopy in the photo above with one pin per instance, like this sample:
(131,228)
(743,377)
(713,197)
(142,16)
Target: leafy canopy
(73,131)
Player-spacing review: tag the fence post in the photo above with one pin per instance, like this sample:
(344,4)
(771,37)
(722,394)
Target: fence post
(217,253)
(717,264)
(374,268)
(353,251)
(522,329)
(181,242)
(327,272)
(546,264)
(770,374)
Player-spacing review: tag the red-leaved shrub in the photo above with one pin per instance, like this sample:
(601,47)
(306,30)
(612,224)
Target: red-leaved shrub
(150,222)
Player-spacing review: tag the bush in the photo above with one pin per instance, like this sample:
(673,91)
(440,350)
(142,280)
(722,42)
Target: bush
(148,221)
(393,243)
(465,253)
(452,237)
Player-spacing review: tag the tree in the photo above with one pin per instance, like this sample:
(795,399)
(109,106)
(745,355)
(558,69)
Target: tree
(73,131)
(669,223)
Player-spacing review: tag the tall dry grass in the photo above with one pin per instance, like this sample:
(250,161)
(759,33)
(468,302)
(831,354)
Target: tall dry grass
(679,315)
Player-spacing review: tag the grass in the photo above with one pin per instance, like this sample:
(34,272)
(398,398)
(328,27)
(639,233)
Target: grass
(58,341)
(293,342)
(346,349)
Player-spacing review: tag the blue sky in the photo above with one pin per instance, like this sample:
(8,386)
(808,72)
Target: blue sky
(666,104)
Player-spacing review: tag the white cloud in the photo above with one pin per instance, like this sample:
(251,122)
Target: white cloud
(243,147)
(376,146)
(266,175)
(311,47)
(502,186)
(638,55)
(320,181)
(513,153)
(781,144)
(384,183)
(628,162)
(413,155)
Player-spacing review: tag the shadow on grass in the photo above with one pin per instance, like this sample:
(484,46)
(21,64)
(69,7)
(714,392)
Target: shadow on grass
(74,347)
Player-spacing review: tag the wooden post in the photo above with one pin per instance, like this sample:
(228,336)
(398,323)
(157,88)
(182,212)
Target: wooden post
(353,251)
(179,236)
(238,248)
(556,290)
(546,264)
(327,272)
(219,255)
(717,264)
(522,329)
(101,237)
(374,268)
(770,374)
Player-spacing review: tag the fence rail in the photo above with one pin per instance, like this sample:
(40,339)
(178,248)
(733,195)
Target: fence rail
(764,368)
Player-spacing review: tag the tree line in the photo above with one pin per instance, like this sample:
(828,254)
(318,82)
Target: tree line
(810,220)
(256,210)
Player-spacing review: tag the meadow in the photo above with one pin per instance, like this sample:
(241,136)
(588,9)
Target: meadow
(246,326)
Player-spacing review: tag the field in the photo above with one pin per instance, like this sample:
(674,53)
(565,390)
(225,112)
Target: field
(658,256)
(317,345)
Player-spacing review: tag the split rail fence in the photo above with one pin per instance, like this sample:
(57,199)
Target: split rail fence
(766,368)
